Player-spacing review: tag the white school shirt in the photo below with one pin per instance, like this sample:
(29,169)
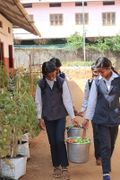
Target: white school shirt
(86,95)
(67,101)
(92,100)
(85,98)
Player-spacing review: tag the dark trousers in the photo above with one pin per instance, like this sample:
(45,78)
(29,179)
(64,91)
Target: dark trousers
(107,137)
(56,136)
(96,140)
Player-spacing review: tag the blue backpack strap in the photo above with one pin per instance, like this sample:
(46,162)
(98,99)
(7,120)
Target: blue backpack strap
(62,75)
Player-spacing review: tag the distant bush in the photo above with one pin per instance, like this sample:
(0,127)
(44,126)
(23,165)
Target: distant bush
(102,44)
(75,41)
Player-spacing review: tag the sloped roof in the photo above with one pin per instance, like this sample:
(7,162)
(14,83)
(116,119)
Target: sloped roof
(55,1)
(17,15)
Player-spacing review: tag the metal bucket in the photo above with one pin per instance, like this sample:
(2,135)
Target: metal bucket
(73,131)
(78,153)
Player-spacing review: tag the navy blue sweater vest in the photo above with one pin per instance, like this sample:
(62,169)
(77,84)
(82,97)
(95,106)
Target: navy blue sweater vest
(52,102)
(107,111)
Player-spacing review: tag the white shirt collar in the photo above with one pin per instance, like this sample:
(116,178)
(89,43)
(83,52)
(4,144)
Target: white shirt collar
(50,80)
(113,76)
(50,83)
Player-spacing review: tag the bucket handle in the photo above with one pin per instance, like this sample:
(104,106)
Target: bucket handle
(79,126)
(83,135)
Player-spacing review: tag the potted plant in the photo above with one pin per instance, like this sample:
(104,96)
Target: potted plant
(17,115)
(10,135)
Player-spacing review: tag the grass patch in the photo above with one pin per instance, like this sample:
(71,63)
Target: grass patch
(77,63)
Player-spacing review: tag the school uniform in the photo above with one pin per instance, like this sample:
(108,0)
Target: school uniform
(54,103)
(104,110)
(94,126)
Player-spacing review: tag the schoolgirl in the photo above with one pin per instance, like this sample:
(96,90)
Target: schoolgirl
(53,103)
(104,109)
(88,85)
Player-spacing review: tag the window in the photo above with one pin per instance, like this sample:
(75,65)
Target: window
(54,4)
(108,19)
(56,19)
(80,4)
(1,24)
(108,3)
(27,5)
(79,18)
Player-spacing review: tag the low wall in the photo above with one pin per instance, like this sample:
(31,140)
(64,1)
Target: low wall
(24,56)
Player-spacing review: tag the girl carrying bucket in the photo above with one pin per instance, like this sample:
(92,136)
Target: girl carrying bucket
(104,109)
(53,102)
(88,85)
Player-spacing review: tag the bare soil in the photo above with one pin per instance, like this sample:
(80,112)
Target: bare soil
(39,167)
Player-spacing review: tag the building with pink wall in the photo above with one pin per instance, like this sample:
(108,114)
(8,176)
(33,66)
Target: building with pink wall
(62,18)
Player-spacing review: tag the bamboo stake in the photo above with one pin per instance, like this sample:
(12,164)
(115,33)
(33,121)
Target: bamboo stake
(30,75)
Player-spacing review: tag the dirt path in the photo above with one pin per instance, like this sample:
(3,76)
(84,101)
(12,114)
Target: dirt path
(39,166)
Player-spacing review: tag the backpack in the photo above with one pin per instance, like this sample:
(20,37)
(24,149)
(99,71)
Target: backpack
(90,83)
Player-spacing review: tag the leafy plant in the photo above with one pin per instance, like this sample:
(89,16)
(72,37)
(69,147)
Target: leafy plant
(75,41)
(101,45)
(3,77)
(17,115)
(116,43)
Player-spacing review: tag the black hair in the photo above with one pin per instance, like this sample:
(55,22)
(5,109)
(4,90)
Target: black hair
(103,62)
(113,69)
(48,67)
(93,67)
(56,61)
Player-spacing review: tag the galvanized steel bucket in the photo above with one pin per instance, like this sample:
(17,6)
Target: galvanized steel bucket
(73,131)
(78,152)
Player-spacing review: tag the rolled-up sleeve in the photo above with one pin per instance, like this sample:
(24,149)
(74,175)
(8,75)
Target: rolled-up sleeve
(92,100)
(38,102)
(67,100)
